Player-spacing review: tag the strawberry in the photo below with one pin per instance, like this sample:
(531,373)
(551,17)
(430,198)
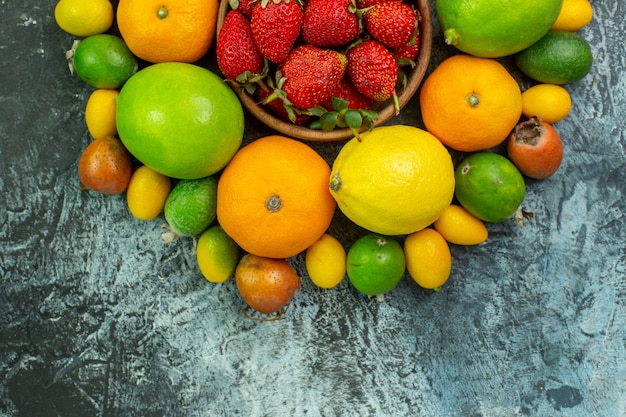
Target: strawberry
(362,4)
(373,70)
(236,51)
(392,23)
(348,92)
(407,54)
(310,75)
(276,25)
(244,6)
(330,23)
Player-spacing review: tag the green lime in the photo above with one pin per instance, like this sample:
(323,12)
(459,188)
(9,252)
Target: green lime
(491,29)
(180,119)
(375,264)
(217,254)
(104,61)
(191,206)
(559,57)
(489,186)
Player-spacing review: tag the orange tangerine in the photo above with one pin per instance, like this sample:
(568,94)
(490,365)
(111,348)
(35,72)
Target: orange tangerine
(470,103)
(162,31)
(273,197)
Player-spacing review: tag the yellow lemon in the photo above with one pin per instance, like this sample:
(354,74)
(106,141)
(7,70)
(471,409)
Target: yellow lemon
(217,254)
(84,18)
(428,258)
(147,192)
(460,227)
(550,102)
(574,15)
(100,113)
(396,180)
(326,262)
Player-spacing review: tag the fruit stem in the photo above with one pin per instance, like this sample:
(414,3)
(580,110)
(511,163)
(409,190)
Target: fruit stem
(529,132)
(451,36)
(162,13)
(396,103)
(273,204)
(473,100)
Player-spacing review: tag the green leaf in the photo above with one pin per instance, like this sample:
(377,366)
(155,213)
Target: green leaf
(340,104)
(353,118)
(329,120)
(318,111)
(315,125)
(369,114)
(250,88)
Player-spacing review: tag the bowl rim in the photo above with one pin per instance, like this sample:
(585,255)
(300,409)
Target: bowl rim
(387,110)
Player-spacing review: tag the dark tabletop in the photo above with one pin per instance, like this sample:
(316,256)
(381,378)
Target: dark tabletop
(98,317)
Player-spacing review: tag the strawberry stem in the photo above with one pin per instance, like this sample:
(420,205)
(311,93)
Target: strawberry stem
(396,103)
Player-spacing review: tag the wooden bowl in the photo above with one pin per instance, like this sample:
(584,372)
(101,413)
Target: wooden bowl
(385,109)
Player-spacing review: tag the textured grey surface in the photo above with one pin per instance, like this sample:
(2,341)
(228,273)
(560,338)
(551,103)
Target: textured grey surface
(99,318)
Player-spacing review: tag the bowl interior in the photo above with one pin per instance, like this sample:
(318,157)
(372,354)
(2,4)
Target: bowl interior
(386,109)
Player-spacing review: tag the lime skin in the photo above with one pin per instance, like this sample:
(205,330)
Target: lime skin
(559,57)
(492,29)
(217,254)
(489,186)
(191,206)
(180,119)
(104,61)
(375,264)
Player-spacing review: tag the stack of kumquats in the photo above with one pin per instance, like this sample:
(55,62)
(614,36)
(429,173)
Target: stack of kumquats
(167,132)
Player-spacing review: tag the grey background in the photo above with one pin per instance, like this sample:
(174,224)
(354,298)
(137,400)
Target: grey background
(99,318)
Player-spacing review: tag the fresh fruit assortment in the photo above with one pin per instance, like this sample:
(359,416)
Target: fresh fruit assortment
(170,134)
(294,56)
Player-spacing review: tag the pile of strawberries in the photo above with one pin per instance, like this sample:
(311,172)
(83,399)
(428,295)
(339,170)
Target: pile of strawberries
(332,59)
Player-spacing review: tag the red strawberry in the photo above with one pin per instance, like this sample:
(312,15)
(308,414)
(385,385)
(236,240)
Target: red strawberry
(391,22)
(276,25)
(348,92)
(235,48)
(330,23)
(244,6)
(373,70)
(362,4)
(407,54)
(311,74)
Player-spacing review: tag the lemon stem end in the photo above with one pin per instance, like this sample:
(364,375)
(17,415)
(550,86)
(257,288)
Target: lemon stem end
(335,183)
